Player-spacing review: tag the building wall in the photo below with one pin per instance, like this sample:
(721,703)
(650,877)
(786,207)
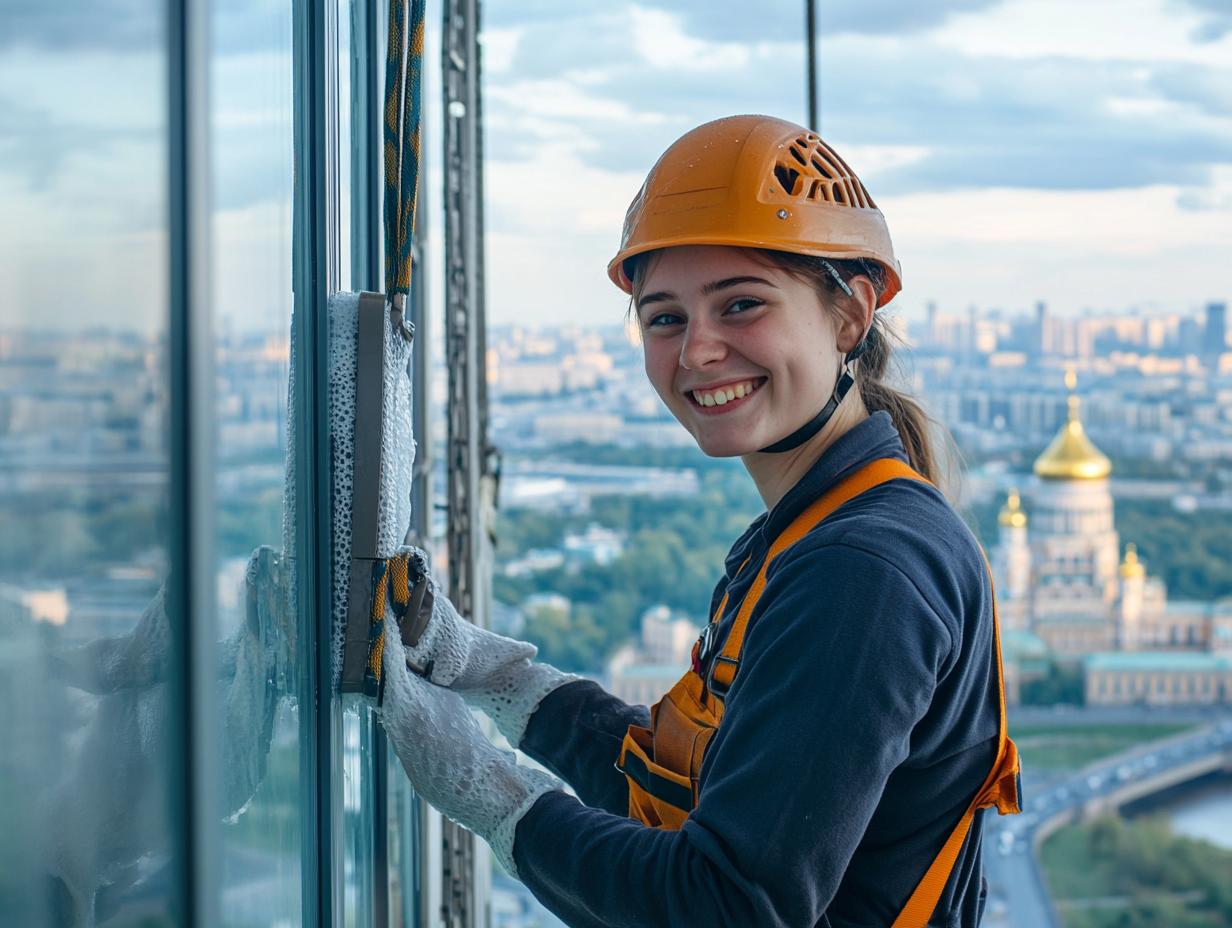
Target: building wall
(1158,688)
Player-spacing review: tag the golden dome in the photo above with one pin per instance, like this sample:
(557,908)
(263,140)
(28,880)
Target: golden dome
(1011,514)
(1072,456)
(1131,566)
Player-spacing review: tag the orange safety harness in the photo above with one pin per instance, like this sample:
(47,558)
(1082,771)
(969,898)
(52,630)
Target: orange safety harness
(662,763)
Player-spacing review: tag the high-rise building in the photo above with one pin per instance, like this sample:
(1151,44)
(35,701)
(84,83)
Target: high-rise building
(1216,335)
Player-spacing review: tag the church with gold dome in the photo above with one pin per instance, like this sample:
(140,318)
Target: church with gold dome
(1067,591)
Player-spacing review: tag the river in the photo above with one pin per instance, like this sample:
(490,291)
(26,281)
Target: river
(1204,812)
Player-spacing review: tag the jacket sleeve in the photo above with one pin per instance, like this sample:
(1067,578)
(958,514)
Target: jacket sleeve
(576,733)
(840,663)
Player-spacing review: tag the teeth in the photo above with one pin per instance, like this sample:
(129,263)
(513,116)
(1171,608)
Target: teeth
(723,395)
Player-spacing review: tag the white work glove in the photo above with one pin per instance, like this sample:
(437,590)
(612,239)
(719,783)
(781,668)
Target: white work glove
(449,760)
(495,674)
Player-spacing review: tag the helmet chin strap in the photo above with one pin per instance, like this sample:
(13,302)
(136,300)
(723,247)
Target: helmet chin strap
(845,380)
(818,422)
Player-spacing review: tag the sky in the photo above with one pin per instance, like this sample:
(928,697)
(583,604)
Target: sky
(1078,153)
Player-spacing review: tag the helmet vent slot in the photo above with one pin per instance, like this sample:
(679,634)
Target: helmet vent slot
(788,178)
(817,173)
(822,169)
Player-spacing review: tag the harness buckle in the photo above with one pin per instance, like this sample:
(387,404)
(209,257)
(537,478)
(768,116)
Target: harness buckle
(714,686)
(705,643)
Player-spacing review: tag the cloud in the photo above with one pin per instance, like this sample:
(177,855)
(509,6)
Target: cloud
(251,125)
(1207,89)
(111,24)
(1092,30)
(783,20)
(128,25)
(1216,19)
(983,162)
(33,146)
(969,121)
(771,20)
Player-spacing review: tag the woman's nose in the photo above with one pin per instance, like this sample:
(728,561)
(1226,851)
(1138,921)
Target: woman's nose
(702,345)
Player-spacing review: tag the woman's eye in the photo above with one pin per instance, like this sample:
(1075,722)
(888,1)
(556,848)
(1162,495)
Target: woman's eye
(662,319)
(744,305)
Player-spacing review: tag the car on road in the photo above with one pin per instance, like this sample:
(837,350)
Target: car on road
(1005,842)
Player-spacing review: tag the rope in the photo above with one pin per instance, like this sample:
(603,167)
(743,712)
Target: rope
(403,86)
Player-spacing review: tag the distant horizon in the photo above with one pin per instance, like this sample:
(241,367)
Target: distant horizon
(916,312)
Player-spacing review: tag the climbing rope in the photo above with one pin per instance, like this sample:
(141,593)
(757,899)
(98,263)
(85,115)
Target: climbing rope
(403,109)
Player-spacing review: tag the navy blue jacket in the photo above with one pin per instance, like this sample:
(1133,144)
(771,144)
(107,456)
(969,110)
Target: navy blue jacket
(861,722)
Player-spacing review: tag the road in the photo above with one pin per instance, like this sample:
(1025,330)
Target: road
(1017,895)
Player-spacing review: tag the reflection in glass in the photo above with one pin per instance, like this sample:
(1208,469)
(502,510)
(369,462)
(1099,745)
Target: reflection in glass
(251,132)
(85,835)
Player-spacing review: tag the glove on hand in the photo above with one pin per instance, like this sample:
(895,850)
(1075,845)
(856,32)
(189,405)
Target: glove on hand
(449,760)
(458,653)
(495,674)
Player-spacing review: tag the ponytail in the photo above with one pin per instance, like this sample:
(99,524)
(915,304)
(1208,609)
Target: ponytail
(912,422)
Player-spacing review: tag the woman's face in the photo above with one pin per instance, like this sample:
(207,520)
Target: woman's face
(742,353)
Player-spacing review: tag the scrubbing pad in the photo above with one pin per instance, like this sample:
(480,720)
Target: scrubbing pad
(372,453)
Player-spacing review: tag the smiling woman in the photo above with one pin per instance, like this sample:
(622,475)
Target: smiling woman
(778,309)
(827,758)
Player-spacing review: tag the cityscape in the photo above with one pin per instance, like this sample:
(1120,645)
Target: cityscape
(1093,460)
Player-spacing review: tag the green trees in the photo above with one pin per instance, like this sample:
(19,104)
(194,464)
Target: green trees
(1137,874)
(674,554)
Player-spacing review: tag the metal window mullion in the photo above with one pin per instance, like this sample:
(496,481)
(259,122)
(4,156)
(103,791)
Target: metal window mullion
(194,772)
(367,61)
(466,443)
(366,180)
(313,534)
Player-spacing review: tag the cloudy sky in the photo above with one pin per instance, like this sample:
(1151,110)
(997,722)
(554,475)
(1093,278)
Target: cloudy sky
(1078,152)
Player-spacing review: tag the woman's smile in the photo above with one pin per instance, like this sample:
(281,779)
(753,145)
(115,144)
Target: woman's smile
(725,396)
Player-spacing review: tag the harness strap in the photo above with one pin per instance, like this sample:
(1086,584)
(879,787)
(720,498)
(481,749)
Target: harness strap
(723,668)
(1001,788)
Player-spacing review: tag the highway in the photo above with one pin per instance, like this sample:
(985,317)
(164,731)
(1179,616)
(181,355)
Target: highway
(1017,896)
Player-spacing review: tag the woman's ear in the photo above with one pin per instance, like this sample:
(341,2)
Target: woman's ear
(856,312)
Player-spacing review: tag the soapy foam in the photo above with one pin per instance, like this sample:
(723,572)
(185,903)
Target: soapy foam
(288,486)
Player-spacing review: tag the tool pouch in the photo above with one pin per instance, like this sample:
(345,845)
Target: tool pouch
(663,762)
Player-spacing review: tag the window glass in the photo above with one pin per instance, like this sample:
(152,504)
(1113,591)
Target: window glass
(263,726)
(85,834)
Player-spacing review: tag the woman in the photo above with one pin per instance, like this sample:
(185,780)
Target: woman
(844,716)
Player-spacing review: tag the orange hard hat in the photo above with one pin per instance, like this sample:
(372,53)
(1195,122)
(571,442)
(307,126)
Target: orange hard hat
(756,182)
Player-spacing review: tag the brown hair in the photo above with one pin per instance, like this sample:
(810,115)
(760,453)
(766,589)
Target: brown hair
(919,431)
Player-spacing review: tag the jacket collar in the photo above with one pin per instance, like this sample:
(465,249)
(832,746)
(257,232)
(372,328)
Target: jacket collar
(873,438)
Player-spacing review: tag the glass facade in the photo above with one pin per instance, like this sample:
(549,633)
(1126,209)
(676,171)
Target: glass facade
(259,629)
(87,832)
(138,540)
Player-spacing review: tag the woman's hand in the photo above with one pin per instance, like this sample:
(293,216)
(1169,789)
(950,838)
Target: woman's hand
(456,653)
(494,674)
(449,760)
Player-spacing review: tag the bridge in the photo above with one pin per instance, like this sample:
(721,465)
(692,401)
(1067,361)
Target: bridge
(1018,897)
